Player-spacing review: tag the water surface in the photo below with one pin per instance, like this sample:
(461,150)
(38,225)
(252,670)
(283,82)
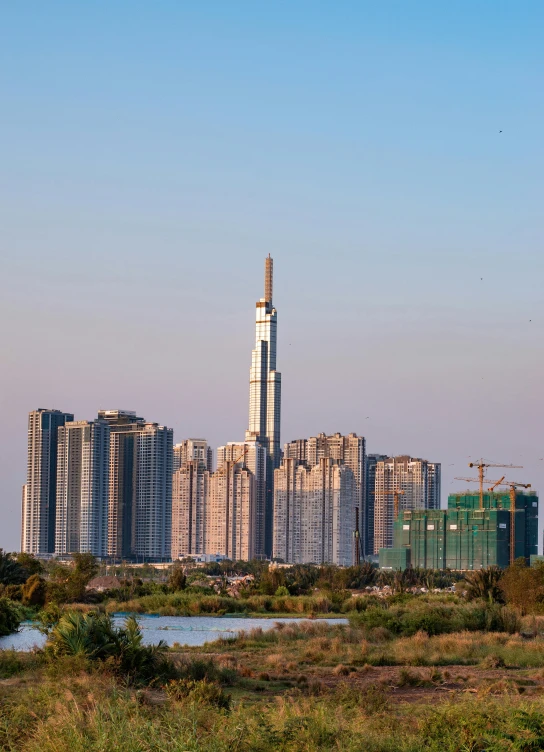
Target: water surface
(185,630)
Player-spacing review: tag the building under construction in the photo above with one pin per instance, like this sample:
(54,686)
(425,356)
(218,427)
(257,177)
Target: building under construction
(472,533)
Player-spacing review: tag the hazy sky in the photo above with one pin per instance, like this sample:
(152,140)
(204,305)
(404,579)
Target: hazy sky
(154,153)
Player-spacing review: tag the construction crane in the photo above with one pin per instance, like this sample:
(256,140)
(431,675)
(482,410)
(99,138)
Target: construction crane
(481,465)
(396,493)
(513,486)
(229,463)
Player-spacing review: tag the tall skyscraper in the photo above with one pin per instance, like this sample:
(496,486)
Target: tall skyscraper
(82,487)
(347,450)
(193,449)
(418,479)
(265,395)
(40,490)
(313,512)
(140,486)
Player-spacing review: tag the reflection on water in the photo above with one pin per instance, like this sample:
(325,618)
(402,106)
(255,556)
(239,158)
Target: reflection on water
(186,630)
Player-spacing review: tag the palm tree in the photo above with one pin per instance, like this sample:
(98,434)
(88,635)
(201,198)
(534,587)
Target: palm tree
(483,583)
(94,636)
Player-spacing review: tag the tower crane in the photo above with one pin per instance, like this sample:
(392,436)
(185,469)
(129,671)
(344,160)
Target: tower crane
(229,463)
(513,486)
(481,465)
(396,493)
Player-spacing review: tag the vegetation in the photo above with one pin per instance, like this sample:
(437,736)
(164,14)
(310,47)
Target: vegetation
(10,616)
(298,687)
(93,637)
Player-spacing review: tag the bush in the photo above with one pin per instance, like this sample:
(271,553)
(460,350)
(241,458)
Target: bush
(94,637)
(10,617)
(198,669)
(13,592)
(34,591)
(436,618)
(200,692)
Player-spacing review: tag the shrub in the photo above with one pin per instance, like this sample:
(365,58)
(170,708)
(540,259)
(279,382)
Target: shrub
(10,617)
(13,592)
(93,636)
(198,669)
(34,591)
(199,692)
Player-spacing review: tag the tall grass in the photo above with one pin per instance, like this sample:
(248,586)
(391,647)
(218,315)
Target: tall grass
(91,714)
(191,604)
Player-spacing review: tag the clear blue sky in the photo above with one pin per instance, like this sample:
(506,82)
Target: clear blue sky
(154,153)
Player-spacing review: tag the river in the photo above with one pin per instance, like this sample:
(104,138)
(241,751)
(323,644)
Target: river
(185,630)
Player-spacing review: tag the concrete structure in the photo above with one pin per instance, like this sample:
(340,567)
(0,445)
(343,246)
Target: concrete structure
(190,505)
(265,395)
(253,456)
(140,487)
(231,519)
(465,537)
(346,450)
(313,512)
(190,450)
(38,514)
(371,461)
(82,488)
(417,478)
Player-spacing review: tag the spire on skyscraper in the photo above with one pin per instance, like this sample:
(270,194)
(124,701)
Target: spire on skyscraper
(268,278)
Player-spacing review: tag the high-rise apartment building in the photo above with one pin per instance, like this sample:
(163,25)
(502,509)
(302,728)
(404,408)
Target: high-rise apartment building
(419,483)
(347,450)
(153,519)
(40,490)
(190,497)
(140,486)
(370,484)
(82,487)
(313,512)
(231,519)
(265,395)
(253,456)
(190,507)
(190,450)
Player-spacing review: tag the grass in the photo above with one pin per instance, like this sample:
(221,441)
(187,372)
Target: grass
(298,687)
(190,604)
(91,713)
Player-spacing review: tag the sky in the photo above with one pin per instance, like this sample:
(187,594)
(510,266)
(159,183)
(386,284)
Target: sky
(388,155)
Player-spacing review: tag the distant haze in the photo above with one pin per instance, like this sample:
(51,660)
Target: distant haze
(154,154)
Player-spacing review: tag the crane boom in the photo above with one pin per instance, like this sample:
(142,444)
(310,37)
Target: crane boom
(481,465)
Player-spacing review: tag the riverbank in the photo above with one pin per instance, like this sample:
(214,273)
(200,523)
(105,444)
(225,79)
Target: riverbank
(296,687)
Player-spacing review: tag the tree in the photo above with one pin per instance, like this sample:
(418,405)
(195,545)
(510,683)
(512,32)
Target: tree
(11,572)
(86,566)
(177,580)
(10,617)
(34,591)
(483,583)
(29,563)
(523,586)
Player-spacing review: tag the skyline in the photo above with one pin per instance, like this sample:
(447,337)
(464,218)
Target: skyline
(139,195)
